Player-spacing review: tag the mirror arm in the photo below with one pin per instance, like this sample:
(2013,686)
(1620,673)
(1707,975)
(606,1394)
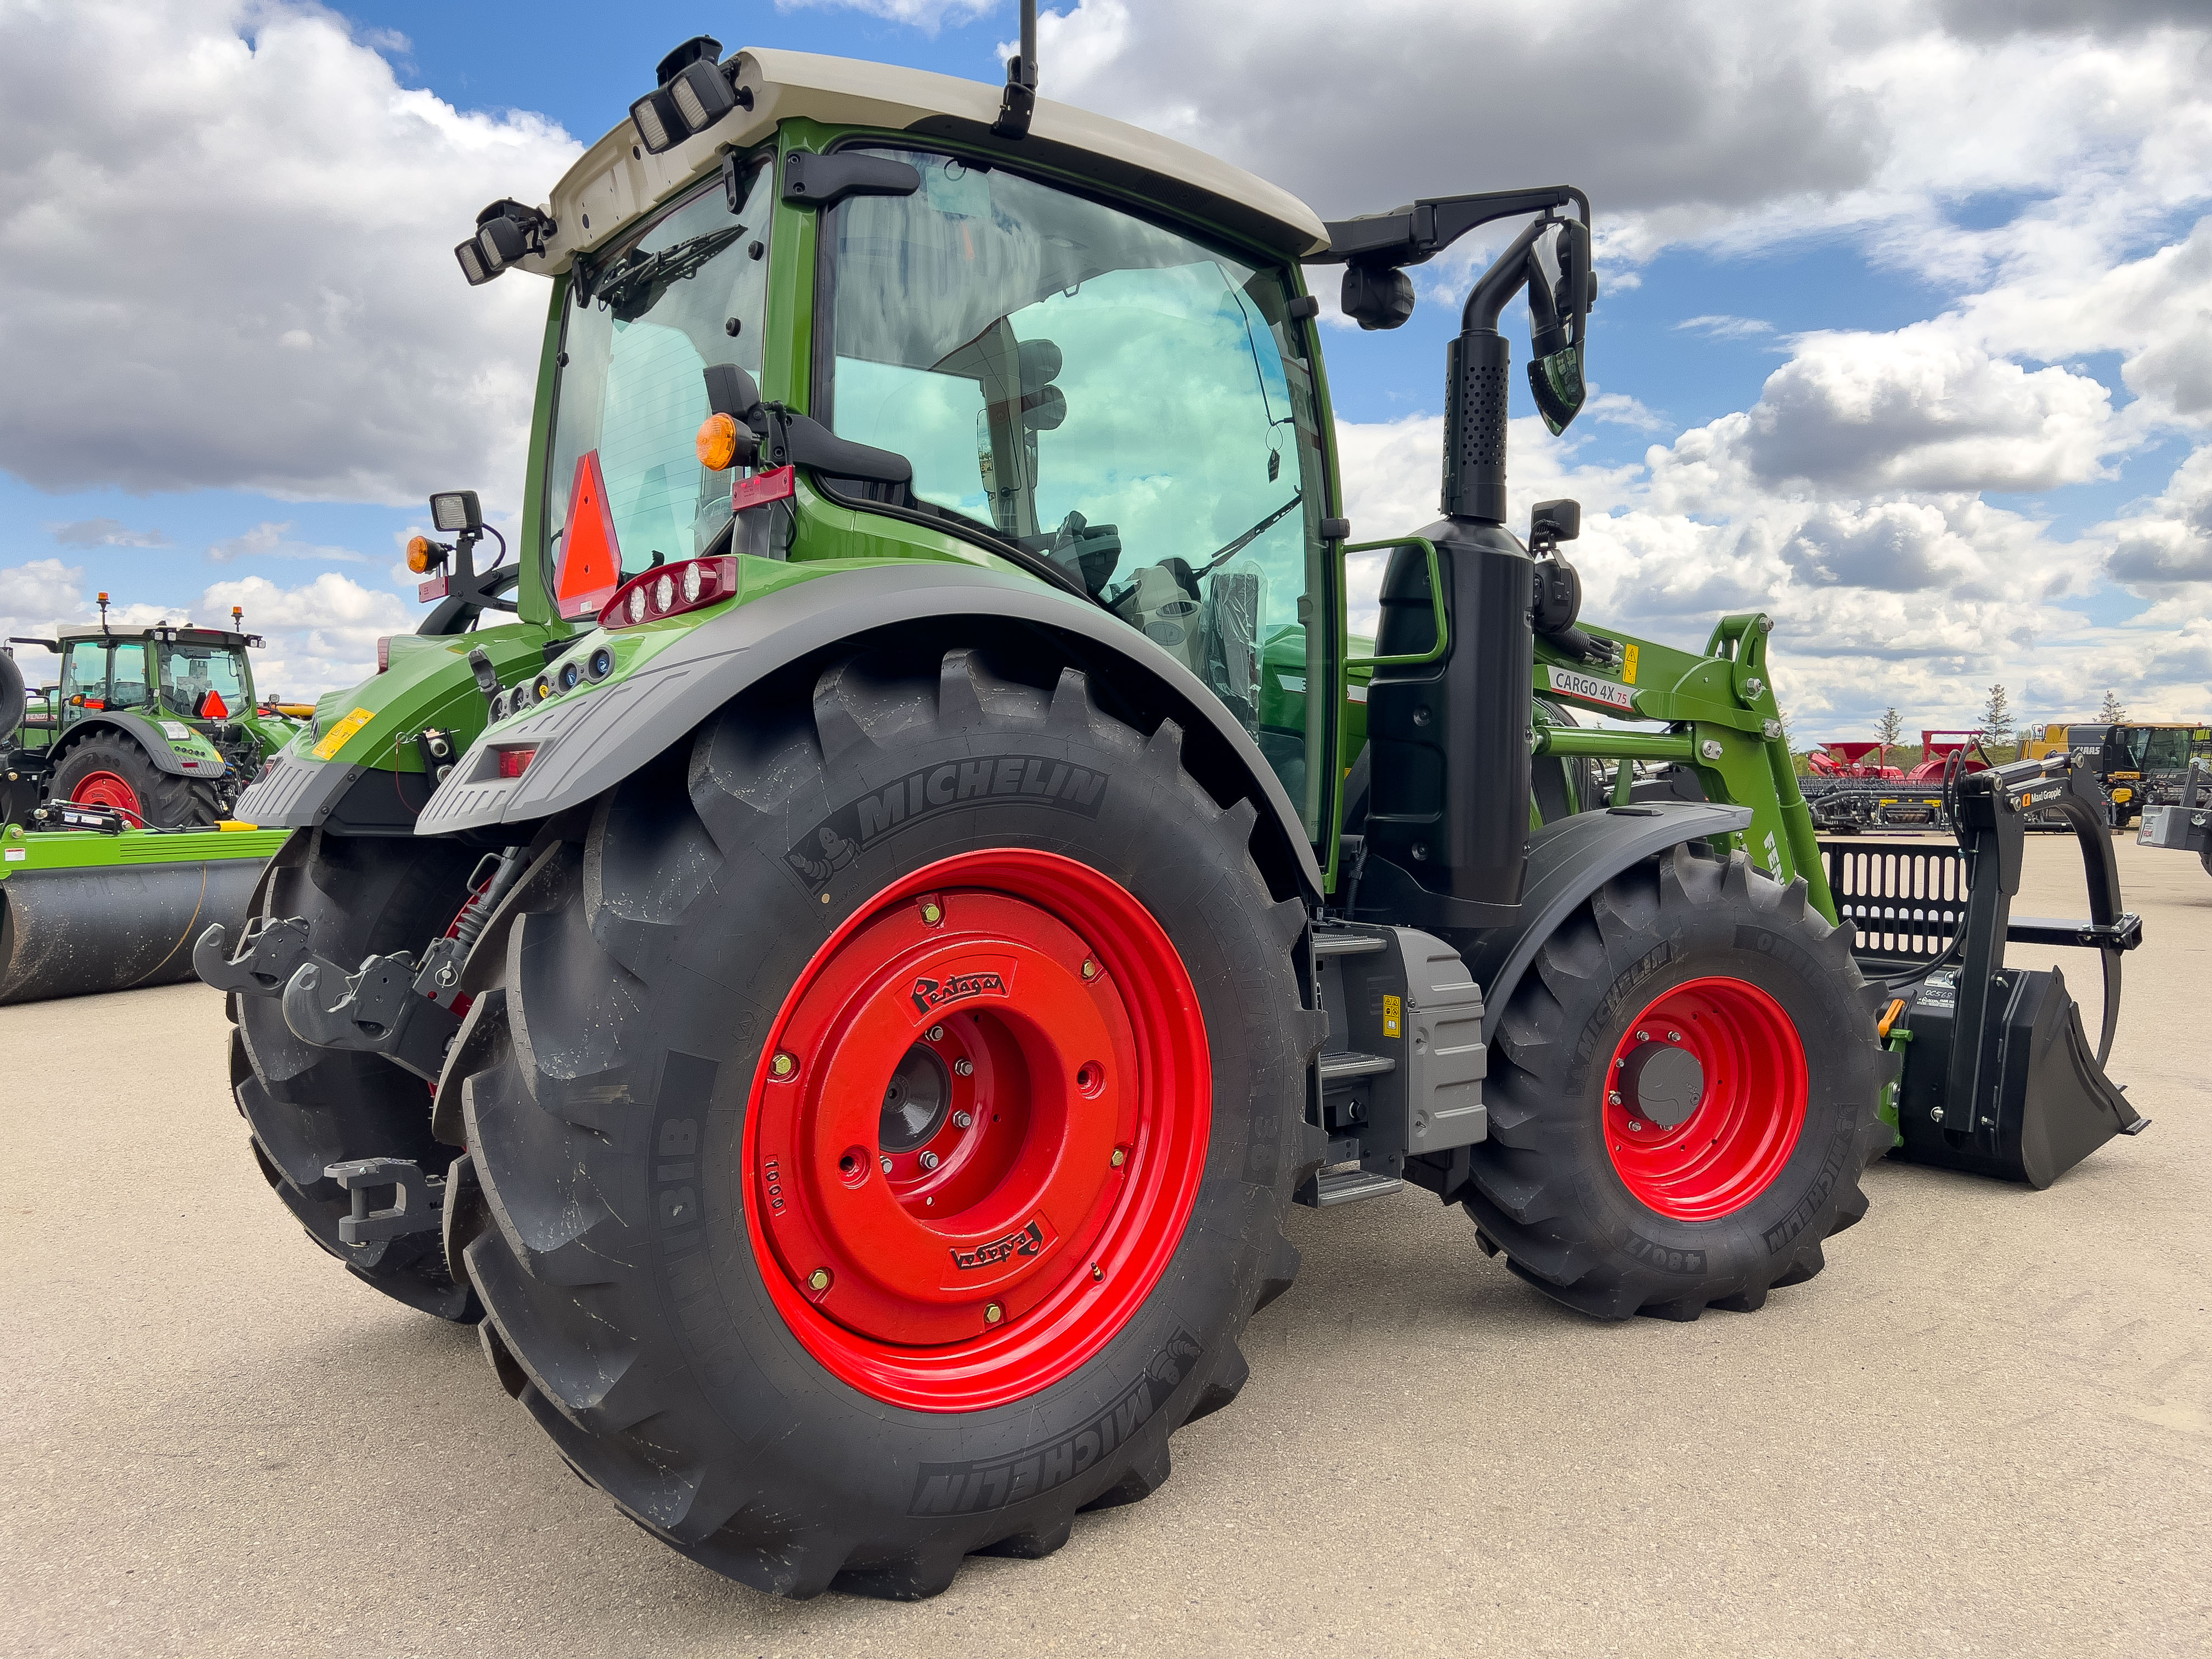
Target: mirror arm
(1498,285)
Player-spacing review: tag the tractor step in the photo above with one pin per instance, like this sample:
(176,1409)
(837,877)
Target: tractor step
(1335,1187)
(1342,1068)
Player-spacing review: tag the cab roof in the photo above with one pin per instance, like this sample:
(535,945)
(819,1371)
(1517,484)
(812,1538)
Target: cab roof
(616,179)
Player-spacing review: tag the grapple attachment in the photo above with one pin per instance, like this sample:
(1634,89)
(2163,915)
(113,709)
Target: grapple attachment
(1999,1076)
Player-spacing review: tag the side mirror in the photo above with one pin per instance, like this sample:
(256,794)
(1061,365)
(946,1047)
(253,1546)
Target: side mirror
(457,509)
(1558,316)
(1377,296)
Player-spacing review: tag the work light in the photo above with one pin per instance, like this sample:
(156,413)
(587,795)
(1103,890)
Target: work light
(694,92)
(505,231)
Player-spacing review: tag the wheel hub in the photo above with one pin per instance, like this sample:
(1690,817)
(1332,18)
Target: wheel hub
(1705,1098)
(978,1127)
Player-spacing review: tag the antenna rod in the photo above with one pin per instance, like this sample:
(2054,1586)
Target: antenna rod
(1018,102)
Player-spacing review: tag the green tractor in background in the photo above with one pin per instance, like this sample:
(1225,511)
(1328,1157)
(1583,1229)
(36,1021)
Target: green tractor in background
(843,984)
(160,725)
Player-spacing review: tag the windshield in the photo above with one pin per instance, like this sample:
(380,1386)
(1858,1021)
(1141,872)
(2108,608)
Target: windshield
(205,682)
(2157,749)
(686,291)
(1133,404)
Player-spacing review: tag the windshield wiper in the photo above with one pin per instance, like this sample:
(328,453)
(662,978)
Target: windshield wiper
(652,274)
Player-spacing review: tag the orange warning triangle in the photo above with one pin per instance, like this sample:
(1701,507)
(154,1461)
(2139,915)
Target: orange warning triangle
(213,707)
(591,557)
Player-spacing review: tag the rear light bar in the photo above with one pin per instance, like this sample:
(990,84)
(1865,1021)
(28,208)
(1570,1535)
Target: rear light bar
(670,590)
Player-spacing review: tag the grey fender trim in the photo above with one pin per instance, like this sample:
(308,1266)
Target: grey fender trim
(150,738)
(589,741)
(295,792)
(1569,860)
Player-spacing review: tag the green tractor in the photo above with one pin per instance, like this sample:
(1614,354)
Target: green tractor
(842,987)
(159,725)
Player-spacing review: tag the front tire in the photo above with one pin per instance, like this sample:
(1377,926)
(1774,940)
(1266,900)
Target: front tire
(710,1055)
(1738,1013)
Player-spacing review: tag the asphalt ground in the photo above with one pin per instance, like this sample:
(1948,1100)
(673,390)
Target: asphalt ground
(1986,1429)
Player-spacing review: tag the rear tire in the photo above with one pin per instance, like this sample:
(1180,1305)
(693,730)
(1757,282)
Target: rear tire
(1614,1215)
(310,1107)
(113,771)
(619,1079)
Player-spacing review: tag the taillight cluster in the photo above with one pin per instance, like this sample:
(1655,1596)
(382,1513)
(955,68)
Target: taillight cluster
(670,590)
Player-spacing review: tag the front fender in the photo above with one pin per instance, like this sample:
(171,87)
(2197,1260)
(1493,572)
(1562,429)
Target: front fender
(590,739)
(1569,860)
(188,755)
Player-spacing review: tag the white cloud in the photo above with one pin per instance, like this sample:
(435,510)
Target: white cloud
(1723,327)
(927,15)
(226,262)
(105,533)
(1920,408)
(268,540)
(320,635)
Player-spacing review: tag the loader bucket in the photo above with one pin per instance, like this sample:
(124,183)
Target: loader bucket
(78,918)
(2045,1104)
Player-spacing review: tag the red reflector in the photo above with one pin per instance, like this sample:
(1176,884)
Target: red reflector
(383,653)
(433,589)
(591,554)
(762,487)
(213,707)
(512,761)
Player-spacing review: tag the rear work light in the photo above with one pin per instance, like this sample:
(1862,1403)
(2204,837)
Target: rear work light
(513,762)
(692,92)
(670,590)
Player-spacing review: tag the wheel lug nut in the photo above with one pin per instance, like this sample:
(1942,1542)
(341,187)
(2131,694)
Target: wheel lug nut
(929,1160)
(963,1069)
(782,1065)
(1674,1036)
(1121,1157)
(963,1120)
(994,1314)
(1633,1124)
(1643,1036)
(932,914)
(818,1280)
(1612,1098)
(937,1034)
(887,1166)
(1090,968)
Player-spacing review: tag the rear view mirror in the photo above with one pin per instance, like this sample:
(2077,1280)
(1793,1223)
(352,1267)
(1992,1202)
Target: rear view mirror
(1559,314)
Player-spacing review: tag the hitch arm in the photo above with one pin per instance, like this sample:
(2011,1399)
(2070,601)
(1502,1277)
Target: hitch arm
(378,1011)
(269,951)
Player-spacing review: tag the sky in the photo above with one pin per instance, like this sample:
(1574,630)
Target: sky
(1904,329)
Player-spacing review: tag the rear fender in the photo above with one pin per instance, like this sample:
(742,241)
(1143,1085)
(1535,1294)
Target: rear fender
(590,740)
(1568,861)
(182,753)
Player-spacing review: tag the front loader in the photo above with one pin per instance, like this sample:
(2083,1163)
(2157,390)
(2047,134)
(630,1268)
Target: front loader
(850,1016)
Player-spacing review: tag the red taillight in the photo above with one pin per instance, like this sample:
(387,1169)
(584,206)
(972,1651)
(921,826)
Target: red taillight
(670,590)
(383,653)
(512,761)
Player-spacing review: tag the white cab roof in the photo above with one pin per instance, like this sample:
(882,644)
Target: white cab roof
(616,179)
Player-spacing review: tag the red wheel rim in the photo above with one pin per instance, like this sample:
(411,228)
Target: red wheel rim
(106,789)
(1748,1110)
(1040,1002)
